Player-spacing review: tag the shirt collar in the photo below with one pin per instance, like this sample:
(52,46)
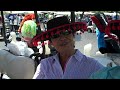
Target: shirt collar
(78,56)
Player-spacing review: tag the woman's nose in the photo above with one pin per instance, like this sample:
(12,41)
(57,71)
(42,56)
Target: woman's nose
(62,37)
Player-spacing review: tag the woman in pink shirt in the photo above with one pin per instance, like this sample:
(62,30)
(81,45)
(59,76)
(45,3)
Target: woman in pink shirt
(68,63)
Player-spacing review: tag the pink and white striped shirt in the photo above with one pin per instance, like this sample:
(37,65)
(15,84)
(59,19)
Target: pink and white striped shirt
(78,67)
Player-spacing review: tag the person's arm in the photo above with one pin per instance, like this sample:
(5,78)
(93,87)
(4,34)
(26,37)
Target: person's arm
(39,73)
(100,74)
(98,66)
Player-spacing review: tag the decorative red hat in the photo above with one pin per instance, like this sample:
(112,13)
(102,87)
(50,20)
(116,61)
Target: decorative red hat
(100,21)
(57,26)
(113,27)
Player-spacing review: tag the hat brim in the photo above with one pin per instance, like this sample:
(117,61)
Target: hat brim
(71,28)
(112,28)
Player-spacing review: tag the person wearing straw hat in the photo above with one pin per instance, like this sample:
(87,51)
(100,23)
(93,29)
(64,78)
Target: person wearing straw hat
(68,62)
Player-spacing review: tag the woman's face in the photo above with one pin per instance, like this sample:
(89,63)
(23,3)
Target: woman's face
(63,42)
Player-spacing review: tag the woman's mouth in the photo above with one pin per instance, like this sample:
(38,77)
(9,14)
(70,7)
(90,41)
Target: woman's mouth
(64,44)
